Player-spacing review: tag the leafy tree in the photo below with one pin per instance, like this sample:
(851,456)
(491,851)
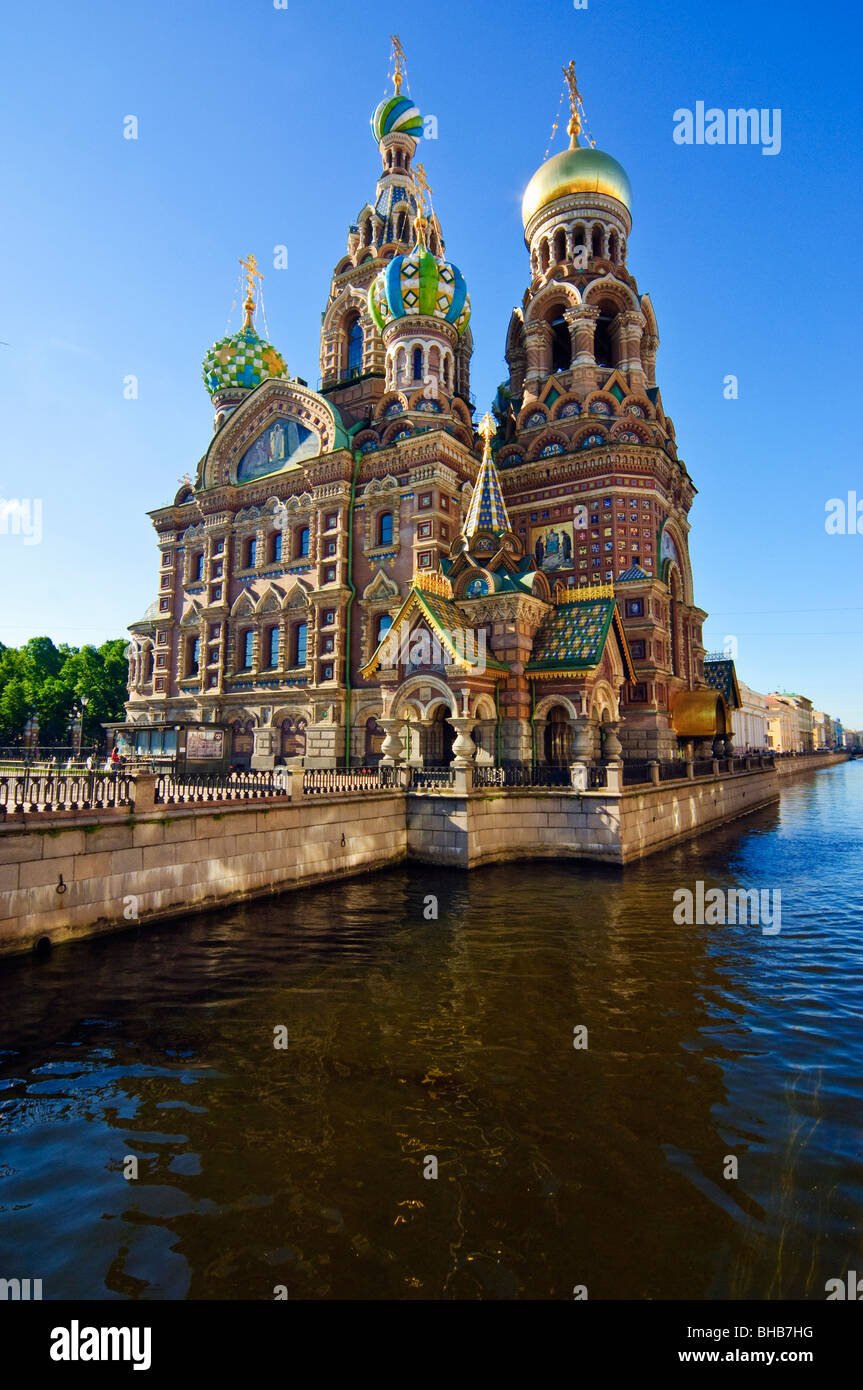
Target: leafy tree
(49,680)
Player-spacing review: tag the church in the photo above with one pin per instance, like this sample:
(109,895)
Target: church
(364,571)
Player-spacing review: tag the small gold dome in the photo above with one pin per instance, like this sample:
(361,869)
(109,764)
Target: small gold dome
(578,170)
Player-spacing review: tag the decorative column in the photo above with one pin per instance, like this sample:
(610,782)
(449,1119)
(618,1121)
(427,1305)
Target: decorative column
(632,326)
(537,338)
(649,345)
(582,328)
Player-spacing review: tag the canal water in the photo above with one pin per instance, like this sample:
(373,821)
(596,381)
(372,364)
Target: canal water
(412,1039)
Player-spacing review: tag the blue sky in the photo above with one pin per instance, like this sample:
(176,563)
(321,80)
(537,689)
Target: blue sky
(119,257)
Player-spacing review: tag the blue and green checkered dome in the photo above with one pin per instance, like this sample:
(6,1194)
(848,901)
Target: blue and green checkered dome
(420,284)
(241,360)
(397,113)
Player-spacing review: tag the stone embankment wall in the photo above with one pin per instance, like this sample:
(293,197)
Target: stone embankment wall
(75,878)
(67,875)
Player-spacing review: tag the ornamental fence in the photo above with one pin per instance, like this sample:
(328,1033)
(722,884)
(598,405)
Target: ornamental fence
(33,792)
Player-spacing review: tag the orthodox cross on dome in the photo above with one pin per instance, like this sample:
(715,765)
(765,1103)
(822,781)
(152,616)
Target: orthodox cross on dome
(399,72)
(250,266)
(425,191)
(577,118)
(486,430)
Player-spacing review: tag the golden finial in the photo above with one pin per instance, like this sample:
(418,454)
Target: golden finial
(574,104)
(486,429)
(250,266)
(425,191)
(398,58)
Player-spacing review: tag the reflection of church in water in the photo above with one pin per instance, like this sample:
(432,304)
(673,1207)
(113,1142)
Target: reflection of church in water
(340,551)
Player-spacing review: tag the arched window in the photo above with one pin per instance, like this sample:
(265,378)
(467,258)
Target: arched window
(385,622)
(251,553)
(561,345)
(596,241)
(194,656)
(578,237)
(385,528)
(544,254)
(612,247)
(198,566)
(248,648)
(302,542)
(355,347)
(418,364)
(559,246)
(275,548)
(402,227)
(603,340)
(301,638)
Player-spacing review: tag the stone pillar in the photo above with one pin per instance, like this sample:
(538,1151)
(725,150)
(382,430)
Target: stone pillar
(464,747)
(392,749)
(649,345)
(263,753)
(538,343)
(582,327)
(632,326)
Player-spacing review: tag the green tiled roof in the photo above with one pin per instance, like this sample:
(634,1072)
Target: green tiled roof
(572,636)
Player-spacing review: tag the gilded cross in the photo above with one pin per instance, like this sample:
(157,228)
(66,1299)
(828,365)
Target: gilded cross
(486,430)
(398,58)
(574,102)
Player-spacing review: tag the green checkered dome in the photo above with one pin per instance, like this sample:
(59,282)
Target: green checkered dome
(242,360)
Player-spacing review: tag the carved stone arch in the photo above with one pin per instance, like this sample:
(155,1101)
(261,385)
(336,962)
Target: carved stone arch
(630,426)
(395,427)
(586,430)
(649,313)
(271,600)
(381,588)
(294,712)
(243,606)
(243,716)
(601,395)
(274,398)
(541,588)
(642,402)
(548,702)
(483,707)
(462,414)
(409,693)
(297,598)
(604,703)
(609,287)
(556,294)
(349,300)
(567,398)
(548,437)
(387,399)
(682,566)
(527,412)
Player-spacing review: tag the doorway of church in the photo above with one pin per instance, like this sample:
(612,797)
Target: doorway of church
(558,738)
(440,737)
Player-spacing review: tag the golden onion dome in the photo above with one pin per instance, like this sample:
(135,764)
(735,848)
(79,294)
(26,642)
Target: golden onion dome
(577,170)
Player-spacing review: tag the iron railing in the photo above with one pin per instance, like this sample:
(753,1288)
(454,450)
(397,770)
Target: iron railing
(430,778)
(635,772)
(520,775)
(672,769)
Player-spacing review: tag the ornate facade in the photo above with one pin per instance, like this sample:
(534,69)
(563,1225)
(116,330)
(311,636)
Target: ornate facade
(355,563)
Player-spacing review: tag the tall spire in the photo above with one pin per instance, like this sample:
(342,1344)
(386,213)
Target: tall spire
(487,511)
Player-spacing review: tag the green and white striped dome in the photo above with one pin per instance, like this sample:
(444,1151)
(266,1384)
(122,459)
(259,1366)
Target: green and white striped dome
(420,284)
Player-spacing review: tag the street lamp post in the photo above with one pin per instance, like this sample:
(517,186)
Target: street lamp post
(79,733)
